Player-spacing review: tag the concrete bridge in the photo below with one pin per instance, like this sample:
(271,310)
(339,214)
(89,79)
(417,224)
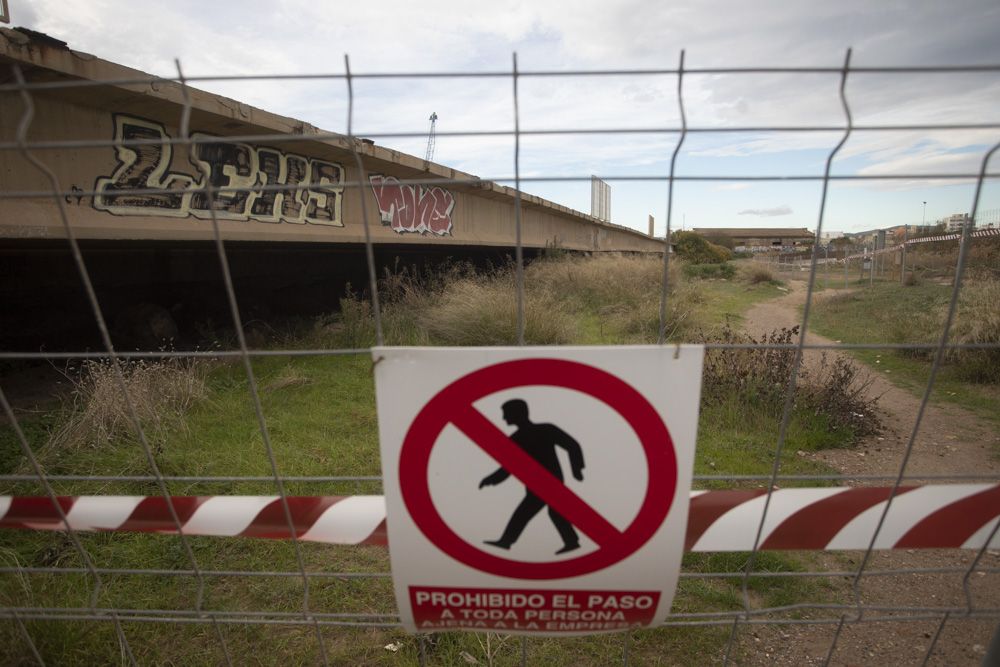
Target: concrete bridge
(287,198)
(127,174)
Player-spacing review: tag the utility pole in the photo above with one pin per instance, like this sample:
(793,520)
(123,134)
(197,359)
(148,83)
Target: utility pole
(431,137)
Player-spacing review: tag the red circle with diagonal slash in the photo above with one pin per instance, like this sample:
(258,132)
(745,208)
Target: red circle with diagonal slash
(454,405)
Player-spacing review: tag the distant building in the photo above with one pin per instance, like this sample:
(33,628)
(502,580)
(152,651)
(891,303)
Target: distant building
(758,239)
(955,222)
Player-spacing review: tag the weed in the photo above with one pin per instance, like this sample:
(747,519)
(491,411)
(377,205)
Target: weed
(356,326)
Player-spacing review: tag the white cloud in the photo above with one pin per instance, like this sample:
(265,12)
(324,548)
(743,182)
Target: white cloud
(784,209)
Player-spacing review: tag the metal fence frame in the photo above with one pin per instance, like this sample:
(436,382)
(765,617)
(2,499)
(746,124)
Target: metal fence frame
(323,621)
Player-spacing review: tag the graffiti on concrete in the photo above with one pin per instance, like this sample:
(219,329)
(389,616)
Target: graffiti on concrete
(143,183)
(413,208)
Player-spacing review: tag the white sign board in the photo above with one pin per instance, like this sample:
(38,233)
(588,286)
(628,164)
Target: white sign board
(536,490)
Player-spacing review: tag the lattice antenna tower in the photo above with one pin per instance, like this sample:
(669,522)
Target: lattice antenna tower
(431,137)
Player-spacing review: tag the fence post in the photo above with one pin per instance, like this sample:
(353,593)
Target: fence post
(992,656)
(826,262)
(902,258)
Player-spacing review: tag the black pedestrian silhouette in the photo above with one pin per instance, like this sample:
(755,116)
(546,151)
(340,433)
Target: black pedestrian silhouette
(539,441)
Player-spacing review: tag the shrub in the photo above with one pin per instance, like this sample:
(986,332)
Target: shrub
(698,250)
(722,271)
(838,390)
(755,274)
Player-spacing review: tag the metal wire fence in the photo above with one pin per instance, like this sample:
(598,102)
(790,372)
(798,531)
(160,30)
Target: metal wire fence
(741,623)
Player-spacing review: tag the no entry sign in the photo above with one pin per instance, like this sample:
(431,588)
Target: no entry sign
(536,490)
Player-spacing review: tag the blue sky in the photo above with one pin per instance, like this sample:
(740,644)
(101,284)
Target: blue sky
(289,36)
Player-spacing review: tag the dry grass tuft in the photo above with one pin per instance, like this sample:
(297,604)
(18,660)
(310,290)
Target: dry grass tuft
(978,321)
(161,392)
(755,274)
(601,280)
(622,291)
(290,376)
(483,311)
(457,305)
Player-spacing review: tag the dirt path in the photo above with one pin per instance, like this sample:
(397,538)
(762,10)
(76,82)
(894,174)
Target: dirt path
(950,441)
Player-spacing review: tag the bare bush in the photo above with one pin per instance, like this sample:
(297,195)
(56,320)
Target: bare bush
(755,375)
(837,389)
(840,390)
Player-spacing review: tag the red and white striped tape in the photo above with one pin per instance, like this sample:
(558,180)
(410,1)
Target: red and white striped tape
(331,519)
(979,233)
(933,516)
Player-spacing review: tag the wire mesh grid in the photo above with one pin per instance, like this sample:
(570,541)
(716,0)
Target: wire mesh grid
(740,623)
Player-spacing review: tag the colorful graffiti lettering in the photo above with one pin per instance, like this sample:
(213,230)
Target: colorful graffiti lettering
(413,208)
(144,160)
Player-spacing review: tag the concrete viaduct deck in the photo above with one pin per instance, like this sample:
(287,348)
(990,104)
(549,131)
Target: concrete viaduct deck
(119,157)
(288,200)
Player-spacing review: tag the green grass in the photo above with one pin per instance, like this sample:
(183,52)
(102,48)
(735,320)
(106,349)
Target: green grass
(726,301)
(733,440)
(891,313)
(320,413)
